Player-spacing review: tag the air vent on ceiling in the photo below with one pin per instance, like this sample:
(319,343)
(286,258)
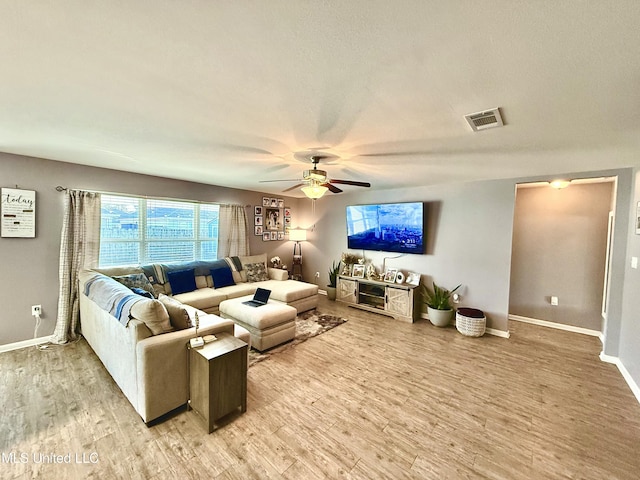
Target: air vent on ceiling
(485,119)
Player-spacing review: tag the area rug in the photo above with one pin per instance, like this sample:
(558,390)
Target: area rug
(308,325)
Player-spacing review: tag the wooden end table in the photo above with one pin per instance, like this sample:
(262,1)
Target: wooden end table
(218,378)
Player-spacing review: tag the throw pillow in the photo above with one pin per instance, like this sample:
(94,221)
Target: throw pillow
(142,292)
(256,272)
(182,281)
(178,314)
(153,314)
(136,280)
(222,277)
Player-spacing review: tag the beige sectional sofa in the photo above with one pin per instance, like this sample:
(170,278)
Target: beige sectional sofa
(139,343)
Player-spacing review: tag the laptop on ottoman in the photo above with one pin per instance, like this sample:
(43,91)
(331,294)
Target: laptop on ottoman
(259,298)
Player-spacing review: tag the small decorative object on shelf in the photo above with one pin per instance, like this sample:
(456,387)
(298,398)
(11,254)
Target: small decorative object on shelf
(198,341)
(358,271)
(399,277)
(390,275)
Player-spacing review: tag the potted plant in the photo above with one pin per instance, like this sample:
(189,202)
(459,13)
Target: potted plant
(334,271)
(438,303)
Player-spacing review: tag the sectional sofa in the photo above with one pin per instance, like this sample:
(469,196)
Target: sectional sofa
(138,320)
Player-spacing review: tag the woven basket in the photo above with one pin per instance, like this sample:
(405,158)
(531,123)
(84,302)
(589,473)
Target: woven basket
(471,322)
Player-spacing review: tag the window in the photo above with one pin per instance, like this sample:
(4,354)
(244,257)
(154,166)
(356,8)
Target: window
(139,230)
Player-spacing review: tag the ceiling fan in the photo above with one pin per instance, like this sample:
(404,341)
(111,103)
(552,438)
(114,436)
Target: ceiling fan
(315,183)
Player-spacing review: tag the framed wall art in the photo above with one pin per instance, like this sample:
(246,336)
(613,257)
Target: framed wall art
(18,213)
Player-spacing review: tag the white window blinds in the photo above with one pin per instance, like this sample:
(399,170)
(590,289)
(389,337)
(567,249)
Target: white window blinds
(139,231)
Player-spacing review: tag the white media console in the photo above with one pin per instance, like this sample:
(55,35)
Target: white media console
(399,301)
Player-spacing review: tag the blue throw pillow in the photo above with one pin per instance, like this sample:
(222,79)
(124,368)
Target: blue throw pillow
(182,281)
(222,277)
(141,292)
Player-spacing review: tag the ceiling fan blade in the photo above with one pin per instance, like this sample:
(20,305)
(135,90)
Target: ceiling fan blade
(393,154)
(293,188)
(333,188)
(350,182)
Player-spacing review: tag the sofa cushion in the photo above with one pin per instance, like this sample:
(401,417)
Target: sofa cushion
(154,315)
(222,277)
(178,314)
(182,281)
(135,280)
(206,299)
(289,291)
(256,272)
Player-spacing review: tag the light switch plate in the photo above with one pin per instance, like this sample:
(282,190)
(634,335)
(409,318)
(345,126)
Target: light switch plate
(634,262)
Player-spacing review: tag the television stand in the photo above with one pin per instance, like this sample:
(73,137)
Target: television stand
(397,300)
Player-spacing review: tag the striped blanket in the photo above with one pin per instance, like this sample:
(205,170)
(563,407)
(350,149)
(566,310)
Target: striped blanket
(112,297)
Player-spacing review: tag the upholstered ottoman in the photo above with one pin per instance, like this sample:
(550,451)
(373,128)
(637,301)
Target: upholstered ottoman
(269,325)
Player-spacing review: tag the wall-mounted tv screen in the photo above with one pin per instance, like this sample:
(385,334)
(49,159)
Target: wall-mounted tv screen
(388,227)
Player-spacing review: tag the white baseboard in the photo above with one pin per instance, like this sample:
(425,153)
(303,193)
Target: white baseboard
(25,343)
(635,389)
(558,326)
(489,331)
(498,333)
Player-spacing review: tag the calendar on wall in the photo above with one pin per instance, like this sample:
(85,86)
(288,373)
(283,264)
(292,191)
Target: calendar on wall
(18,213)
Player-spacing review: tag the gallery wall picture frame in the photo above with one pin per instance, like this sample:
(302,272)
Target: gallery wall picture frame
(257,210)
(258,230)
(258,220)
(287,212)
(18,213)
(272,219)
(266,201)
(280,235)
(274,235)
(266,236)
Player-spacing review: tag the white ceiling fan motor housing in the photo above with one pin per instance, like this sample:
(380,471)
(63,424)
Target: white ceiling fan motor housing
(319,175)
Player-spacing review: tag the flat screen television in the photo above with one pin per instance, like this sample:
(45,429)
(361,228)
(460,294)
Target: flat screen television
(387,227)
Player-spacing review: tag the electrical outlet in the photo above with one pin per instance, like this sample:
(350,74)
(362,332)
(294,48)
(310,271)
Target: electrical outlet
(36,310)
(554,301)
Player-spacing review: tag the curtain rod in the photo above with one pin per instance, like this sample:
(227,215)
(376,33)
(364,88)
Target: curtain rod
(60,188)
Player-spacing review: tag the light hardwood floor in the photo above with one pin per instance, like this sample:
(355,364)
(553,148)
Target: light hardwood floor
(373,398)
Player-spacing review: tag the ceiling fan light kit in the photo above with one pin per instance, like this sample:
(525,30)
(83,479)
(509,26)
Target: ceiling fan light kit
(314,190)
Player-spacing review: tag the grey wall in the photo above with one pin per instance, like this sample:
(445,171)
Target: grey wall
(29,267)
(629,341)
(468,240)
(559,248)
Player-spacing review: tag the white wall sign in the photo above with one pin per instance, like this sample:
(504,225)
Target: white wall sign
(18,213)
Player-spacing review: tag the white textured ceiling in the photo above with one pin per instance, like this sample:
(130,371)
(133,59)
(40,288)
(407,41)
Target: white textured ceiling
(223,92)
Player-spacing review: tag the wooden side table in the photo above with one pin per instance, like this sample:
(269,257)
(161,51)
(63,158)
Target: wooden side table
(218,378)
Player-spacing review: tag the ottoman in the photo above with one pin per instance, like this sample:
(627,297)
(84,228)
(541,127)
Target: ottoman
(269,325)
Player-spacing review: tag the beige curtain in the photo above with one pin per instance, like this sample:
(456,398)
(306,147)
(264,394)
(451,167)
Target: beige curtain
(79,248)
(232,231)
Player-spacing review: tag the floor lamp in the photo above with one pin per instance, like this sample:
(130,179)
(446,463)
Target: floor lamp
(297,235)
